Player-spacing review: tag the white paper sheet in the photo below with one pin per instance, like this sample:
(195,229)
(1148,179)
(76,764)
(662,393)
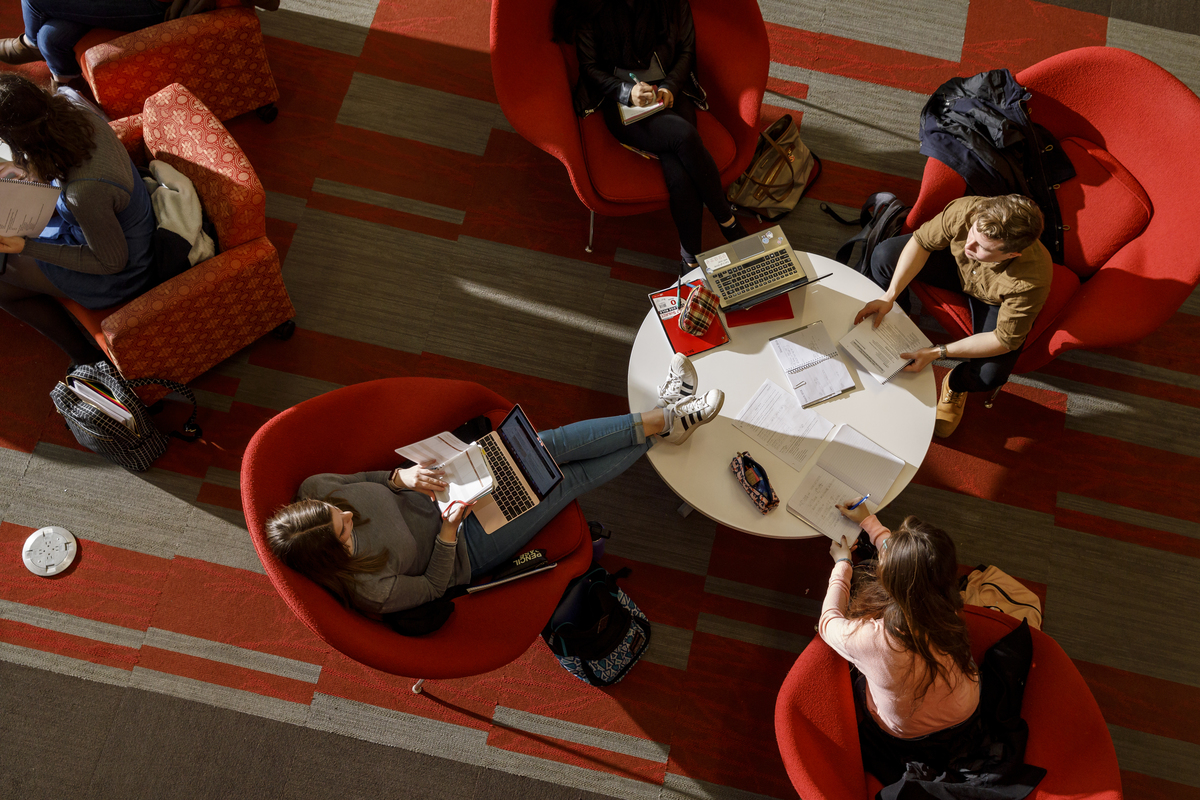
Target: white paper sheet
(774,419)
(878,349)
(815,501)
(810,361)
(860,463)
(434,450)
(468,476)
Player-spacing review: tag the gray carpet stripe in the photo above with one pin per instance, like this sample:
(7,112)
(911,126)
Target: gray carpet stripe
(415,112)
(214,400)
(646,260)
(63,665)
(581,734)
(1159,756)
(1132,516)
(223,477)
(751,634)
(1173,51)
(1192,304)
(1112,602)
(669,646)
(385,200)
(588,780)
(346,38)
(220,696)
(809,606)
(855,122)
(1121,415)
(932,28)
(397,729)
(680,787)
(1132,368)
(270,388)
(984,532)
(71,624)
(285,207)
(233,655)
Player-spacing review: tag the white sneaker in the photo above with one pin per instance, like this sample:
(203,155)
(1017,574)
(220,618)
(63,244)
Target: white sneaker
(685,415)
(680,383)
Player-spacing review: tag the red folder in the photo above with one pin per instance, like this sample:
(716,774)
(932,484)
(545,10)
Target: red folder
(779,307)
(668,314)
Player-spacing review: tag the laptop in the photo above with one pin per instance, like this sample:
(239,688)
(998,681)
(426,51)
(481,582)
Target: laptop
(755,268)
(523,472)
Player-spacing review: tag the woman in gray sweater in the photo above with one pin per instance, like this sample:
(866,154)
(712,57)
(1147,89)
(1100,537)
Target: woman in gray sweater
(97,248)
(378,542)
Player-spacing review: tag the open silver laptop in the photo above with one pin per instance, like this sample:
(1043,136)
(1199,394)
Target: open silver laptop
(523,471)
(755,268)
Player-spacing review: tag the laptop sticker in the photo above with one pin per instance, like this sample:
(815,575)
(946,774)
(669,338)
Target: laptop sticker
(719,260)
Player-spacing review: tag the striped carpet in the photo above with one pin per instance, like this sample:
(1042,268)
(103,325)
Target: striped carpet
(422,236)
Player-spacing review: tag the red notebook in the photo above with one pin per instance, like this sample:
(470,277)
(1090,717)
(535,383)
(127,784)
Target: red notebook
(668,314)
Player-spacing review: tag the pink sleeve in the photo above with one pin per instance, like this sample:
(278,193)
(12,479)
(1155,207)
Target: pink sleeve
(833,627)
(875,530)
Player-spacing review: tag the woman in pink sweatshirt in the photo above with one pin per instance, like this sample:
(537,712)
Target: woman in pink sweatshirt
(900,629)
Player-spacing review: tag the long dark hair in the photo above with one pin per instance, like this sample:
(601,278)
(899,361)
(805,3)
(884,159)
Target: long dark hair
(915,593)
(48,134)
(301,534)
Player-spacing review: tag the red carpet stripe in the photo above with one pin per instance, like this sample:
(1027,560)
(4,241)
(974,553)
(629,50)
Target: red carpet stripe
(1125,532)
(1145,387)
(1137,702)
(1019,33)
(1137,786)
(64,644)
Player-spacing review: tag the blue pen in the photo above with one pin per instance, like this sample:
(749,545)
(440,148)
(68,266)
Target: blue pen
(859,503)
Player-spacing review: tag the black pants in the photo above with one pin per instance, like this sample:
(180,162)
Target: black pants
(974,374)
(29,295)
(692,178)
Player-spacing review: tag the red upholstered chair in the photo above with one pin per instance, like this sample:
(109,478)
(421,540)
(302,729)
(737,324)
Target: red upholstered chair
(191,323)
(818,737)
(1128,264)
(534,77)
(357,428)
(218,55)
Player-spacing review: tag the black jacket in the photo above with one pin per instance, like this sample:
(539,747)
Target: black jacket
(626,35)
(978,127)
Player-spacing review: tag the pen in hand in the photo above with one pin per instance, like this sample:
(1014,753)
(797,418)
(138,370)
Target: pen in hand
(861,500)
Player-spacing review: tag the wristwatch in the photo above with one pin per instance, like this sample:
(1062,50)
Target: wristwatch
(942,351)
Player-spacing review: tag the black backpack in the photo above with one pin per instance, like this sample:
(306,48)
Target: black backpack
(597,633)
(882,217)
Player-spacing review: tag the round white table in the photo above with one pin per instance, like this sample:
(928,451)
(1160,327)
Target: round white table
(898,415)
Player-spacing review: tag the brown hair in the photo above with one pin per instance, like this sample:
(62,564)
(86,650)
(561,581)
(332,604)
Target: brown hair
(1012,219)
(301,534)
(915,593)
(48,134)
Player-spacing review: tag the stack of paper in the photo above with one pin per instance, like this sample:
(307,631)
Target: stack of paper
(810,360)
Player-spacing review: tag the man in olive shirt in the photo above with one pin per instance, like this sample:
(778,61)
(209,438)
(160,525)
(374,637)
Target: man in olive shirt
(987,248)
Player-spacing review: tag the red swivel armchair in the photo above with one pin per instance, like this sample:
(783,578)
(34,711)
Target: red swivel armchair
(192,322)
(218,55)
(732,56)
(1129,262)
(818,736)
(357,429)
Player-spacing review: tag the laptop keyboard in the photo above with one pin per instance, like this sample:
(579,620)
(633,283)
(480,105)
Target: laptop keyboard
(507,490)
(753,275)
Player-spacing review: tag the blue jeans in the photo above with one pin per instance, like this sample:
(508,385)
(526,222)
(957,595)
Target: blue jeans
(590,453)
(56,26)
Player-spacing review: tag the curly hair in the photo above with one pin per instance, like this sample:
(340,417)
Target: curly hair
(301,535)
(1012,219)
(49,135)
(915,593)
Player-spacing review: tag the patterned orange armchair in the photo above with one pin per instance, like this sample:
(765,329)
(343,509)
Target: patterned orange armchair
(218,55)
(189,324)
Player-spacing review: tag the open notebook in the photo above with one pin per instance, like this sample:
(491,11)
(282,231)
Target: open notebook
(849,467)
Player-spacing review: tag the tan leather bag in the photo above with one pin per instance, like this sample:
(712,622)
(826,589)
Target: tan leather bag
(993,588)
(779,174)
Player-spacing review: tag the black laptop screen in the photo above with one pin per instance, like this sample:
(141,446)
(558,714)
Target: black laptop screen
(527,450)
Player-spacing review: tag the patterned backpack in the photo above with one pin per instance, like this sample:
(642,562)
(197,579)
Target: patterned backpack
(597,633)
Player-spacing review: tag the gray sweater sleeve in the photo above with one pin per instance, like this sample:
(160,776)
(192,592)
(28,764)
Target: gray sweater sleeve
(410,591)
(95,205)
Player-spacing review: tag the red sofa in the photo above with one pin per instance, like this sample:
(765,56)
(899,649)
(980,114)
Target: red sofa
(732,55)
(357,428)
(218,55)
(1132,131)
(818,737)
(194,321)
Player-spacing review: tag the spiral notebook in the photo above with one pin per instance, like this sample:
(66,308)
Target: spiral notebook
(811,363)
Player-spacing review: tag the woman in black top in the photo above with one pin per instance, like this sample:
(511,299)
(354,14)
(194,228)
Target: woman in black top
(617,37)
